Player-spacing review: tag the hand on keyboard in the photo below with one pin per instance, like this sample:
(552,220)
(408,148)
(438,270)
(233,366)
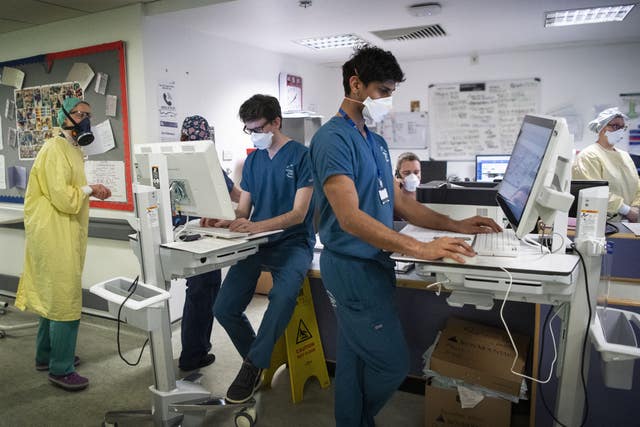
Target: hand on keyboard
(243,225)
(214,222)
(477,224)
(445,247)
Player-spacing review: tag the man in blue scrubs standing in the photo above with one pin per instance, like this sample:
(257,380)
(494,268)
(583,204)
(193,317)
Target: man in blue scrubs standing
(357,198)
(277,185)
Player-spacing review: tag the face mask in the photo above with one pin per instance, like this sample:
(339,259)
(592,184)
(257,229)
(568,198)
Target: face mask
(615,137)
(411,182)
(376,109)
(261,141)
(81,131)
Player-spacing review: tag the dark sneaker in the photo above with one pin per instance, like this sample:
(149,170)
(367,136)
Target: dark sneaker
(247,382)
(45,366)
(70,382)
(206,360)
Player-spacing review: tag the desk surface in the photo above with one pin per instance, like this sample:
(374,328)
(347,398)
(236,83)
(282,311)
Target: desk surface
(11,216)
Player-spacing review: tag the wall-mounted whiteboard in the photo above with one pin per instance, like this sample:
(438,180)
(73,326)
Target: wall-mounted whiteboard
(466,119)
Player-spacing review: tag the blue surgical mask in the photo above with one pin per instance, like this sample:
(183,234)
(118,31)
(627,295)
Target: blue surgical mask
(262,141)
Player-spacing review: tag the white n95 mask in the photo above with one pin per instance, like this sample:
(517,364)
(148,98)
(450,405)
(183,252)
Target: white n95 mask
(615,137)
(261,141)
(411,182)
(375,110)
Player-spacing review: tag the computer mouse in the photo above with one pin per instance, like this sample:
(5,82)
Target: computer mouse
(190,237)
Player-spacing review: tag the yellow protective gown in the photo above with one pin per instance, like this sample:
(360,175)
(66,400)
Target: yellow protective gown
(617,167)
(56,220)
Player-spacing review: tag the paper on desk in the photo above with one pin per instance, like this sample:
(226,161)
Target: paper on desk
(103,141)
(12,77)
(204,245)
(82,73)
(428,235)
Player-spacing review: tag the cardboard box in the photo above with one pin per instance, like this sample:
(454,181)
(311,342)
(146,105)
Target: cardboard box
(442,408)
(265,283)
(480,355)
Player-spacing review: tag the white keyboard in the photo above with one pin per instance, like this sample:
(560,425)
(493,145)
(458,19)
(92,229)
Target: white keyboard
(221,232)
(504,243)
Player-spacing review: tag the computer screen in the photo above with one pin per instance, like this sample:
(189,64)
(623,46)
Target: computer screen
(196,184)
(491,167)
(535,165)
(433,170)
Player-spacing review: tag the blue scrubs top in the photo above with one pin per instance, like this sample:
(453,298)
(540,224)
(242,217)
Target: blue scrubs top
(273,184)
(338,148)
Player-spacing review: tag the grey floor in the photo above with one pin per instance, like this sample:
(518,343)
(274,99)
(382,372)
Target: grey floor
(27,398)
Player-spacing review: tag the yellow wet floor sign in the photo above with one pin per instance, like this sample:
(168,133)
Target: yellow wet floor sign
(300,348)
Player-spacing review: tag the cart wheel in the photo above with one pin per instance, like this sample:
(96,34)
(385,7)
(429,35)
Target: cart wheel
(106,424)
(244,419)
(3,334)
(3,311)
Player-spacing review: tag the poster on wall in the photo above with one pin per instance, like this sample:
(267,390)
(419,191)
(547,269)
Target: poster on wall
(290,88)
(167,111)
(36,110)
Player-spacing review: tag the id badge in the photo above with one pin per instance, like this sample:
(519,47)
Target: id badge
(382,192)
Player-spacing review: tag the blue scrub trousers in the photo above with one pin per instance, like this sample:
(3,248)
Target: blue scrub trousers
(197,317)
(372,358)
(288,261)
(56,345)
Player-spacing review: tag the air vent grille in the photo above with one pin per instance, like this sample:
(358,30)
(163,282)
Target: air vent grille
(412,33)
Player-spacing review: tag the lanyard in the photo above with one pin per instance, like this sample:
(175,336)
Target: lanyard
(382,191)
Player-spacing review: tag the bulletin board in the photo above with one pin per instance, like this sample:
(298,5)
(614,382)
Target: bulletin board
(26,117)
(470,118)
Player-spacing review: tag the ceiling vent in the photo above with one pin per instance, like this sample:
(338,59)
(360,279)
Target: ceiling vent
(412,33)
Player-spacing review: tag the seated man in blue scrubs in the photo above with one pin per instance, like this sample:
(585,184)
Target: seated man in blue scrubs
(357,198)
(200,295)
(277,186)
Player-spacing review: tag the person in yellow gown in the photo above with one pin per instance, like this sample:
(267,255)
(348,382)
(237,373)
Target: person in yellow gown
(56,221)
(603,160)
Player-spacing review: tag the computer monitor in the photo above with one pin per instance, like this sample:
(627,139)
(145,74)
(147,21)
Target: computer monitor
(433,170)
(581,184)
(536,182)
(194,177)
(491,167)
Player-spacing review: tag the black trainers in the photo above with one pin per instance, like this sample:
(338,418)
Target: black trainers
(206,360)
(247,382)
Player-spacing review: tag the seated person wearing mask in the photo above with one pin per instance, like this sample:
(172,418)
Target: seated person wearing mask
(200,295)
(604,161)
(408,173)
(276,194)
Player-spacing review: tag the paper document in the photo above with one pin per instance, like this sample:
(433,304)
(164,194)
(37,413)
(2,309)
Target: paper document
(103,141)
(634,227)
(428,235)
(1,133)
(101,83)
(81,73)
(10,108)
(204,245)
(18,177)
(111,104)
(12,77)
(111,175)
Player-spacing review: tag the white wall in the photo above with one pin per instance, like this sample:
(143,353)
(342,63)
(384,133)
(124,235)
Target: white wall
(105,258)
(214,76)
(582,77)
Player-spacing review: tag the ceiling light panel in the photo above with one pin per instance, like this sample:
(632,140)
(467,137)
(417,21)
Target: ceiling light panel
(594,15)
(332,42)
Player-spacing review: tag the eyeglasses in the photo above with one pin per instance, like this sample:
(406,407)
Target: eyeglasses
(258,129)
(81,114)
(616,127)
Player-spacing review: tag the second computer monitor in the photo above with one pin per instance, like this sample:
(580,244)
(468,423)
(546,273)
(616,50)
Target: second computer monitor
(491,167)
(433,170)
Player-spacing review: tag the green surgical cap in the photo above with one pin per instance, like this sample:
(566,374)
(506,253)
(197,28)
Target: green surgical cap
(68,104)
